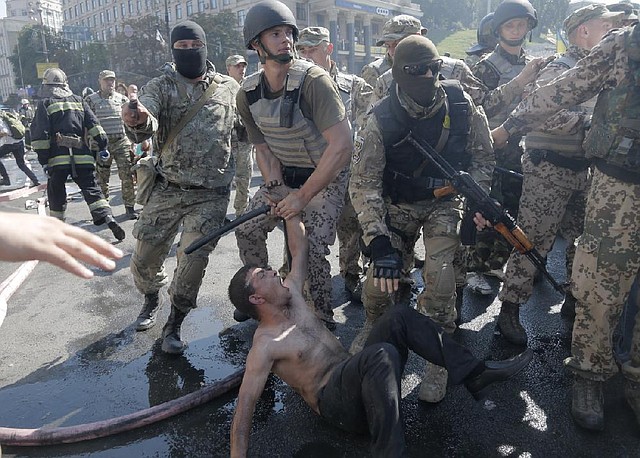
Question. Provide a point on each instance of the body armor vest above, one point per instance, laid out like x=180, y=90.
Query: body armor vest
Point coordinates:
x=293, y=139
x=506, y=71
x=614, y=137
x=566, y=145
x=409, y=176
x=108, y=110
x=449, y=67
x=380, y=65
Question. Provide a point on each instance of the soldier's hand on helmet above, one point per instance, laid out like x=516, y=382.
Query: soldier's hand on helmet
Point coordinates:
x=291, y=205
x=387, y=264
x=134, y=116
x=277, y=191
x=500, y=137
x=530, y=71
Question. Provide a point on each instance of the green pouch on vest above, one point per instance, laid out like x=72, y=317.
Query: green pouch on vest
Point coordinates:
x=146, y=173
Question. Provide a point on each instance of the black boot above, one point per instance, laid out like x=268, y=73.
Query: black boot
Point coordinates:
x=5, y=182
x=130, y=212
x=568, y=309
x=497, y=371
x=148, y=314
x=459, y=302
x=509, y=324
x=117, y=231
x=171, y=342
x=587, y=404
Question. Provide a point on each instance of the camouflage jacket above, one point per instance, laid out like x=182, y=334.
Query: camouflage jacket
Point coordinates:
x=369, y=161
x=200, y=155
x=605, y=67
x=360, y=96
x=371, y=72
x=492, y=101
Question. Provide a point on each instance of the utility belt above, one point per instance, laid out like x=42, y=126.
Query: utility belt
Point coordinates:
x=295, y=177
x=571, y=163
x=617, y=172
x=402, y=188
x=220, y=190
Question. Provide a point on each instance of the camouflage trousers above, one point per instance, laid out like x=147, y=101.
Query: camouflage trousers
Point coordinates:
x=120, y=151
x=320, y=218
x=349, y=235
x=606, y=263
x=198, y=212
x=243, y=155
x=439, y=221
x=552, y=202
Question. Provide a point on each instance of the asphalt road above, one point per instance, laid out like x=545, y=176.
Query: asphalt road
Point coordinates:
x=69, y=355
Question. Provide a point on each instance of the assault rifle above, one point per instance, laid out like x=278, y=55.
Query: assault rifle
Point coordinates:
x=478, y=200
x=226, y=228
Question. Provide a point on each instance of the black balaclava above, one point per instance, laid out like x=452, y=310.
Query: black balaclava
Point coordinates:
x=416, y=49
x=190, y=63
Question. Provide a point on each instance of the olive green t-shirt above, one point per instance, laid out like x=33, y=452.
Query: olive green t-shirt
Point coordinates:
x=319, y=102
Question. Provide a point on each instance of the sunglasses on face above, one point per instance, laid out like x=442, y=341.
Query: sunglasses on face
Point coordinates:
x=422, y=69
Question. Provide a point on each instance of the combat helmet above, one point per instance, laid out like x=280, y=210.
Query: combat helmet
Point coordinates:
x=511, y=9
x=54, y=77
x=263, y=16
x=486, y=39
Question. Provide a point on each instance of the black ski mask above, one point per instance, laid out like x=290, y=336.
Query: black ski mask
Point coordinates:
x=190, y=63
x=414, y=56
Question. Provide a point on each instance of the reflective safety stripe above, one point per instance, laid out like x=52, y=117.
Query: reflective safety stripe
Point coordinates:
x=40, y=144
x=100, y=203
x=56, y=214
x=96, y=130
x=56, y=107
x=80, y=159
x=557, y=143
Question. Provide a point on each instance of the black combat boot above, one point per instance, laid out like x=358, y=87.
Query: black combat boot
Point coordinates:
x=568, y=309
x=130, y=212
x=587, y=404
x=117, y=231
x=148, y=314
x=509, y=324
x=171, y=342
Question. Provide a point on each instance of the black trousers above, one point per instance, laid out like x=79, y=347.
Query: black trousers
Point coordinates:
x=86, y=181
x=363, y=392
x=17, y=149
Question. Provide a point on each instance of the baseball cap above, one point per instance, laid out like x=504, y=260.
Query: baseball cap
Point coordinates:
x=399, y=27
x=313, y=36
x=587, y=13
x=106, y=74
x=235, y=60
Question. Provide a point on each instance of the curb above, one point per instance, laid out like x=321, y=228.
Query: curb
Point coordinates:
x=21, y=192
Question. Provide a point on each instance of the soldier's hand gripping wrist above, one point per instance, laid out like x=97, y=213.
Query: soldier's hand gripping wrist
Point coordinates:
x=387, y=264
x=277, y=191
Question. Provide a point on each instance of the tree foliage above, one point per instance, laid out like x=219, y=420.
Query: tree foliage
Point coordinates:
x=222, y=37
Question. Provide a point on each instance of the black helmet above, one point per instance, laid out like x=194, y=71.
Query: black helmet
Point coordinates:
x=511, y=9
x=486, y=39
x=263, y=16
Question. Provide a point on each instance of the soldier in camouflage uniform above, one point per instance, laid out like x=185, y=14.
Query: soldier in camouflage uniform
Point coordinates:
x=487, y=41
x=512, y=21
x=555, y=173
x=240, y=147
x=392, y=189
x=297, y=123
x=608, y=252
x=195, y=170
x=314, y=44
x=107, y=105
x=394, y=30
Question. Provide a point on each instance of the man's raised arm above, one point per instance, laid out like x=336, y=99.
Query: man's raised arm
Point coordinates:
x=299, y=250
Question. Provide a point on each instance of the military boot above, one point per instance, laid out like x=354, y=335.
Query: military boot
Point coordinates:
x=148, y=314
x=568, y=309
x=5, y=181
x=130, y=213
x=587, y=404
x=353, y=287
x=358, y=343
x=632, y=393
x=117, y=231
x=434, y=383
x=509, y=324
x=171, y=342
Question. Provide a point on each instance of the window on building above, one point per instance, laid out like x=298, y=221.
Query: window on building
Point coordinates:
x=213, y=4
x=99, y=2
x=115, y=13
x=139, y=5
x=107, y=16
x=301, y=11
x=130, y=7
x=95, y=20
x=179, y=11
x=101, y=17
x=189, y=8
x=375, y=29
x=241, y=17
x=200, y=6
x=226, y=2
x=123, y=10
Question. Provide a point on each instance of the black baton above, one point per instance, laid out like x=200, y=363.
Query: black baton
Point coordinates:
x=226, y=228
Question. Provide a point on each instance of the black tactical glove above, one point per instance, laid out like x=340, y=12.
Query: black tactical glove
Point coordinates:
x=386, y=260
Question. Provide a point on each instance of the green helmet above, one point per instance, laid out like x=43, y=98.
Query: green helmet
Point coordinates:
x=54, y=77
x=486, y=39
x=263, y=16
x=512, y=9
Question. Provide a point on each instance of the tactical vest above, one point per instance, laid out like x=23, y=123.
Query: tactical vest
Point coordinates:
x=566, y=145
x=380, y=65
x=614, y=137
x=409, y=176
x=293, y=139
x=449, y=67
x=108, y=111
x=506, y=71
